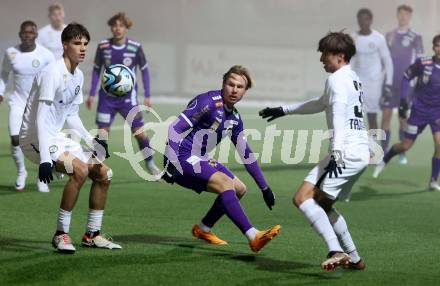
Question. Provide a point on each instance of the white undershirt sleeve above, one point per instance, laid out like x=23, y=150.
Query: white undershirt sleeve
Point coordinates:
x=43, y=138
x=74, y=122
x=338, y=115
x=315, y=105
x=4, y=76
x=387, y=62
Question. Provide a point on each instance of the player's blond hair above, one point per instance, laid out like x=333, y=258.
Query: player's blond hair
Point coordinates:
x=241, y=71
x=55, y=7
x=121, y=16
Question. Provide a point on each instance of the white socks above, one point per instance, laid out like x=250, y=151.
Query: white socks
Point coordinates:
x=341, y=229
x=63, y=223
x=18, y=156
x=204, y=227
x=320, y=222
x=251, y=233
x=94, y=220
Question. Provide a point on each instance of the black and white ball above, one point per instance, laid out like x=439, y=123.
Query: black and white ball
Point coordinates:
x=117, y=80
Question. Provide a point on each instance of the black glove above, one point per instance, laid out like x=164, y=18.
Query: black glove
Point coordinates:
x=170, y=173
x=97, y=144
x=45, y=172
x=269, y=197
x=335, y=165
x=271, y=113
x=403, y=108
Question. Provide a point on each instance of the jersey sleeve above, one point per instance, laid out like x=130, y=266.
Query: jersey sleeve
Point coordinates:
x=196, y=109
x=419, y=46
x=4, y=76
x=247, y=155
x=385, y=56
x=48, y=86
x=143, y=66
x=96, y=72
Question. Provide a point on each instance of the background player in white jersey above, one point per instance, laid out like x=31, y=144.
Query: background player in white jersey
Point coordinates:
x=334, y=176
x=24, y=61
x=53, y=101
x=372, y=57
x=50, y=35
x=405, y=46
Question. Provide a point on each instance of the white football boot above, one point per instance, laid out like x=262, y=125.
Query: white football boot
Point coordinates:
x=99, y=241
x=378, y=169
x=434, y=186
x=63, y=243
x=42, y=187
x=20, y=182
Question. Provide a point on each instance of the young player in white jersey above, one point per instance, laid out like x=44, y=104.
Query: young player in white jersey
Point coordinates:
x=23, y=61
x=334, y=176
x=54, y=101
x=372, y=58
x=50, y=35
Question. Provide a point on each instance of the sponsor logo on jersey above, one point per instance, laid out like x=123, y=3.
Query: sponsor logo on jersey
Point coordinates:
x=132, y=48
x=213, y=163
x=35, y=63
x=219, y=104
x=217, y=97
x=107, y=52
x=127, y=61
x=214, y=126
x=131, y=55
x=77, y=89
x=53, y=149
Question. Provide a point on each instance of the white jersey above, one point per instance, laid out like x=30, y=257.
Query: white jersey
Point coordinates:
x=372, y=57
x=51, y=39
x=342, y=102
x=24, y=67
x=58, y=86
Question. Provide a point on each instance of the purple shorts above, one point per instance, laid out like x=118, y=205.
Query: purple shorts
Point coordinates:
x=197, y=171
x=418, y=120
x=109, y=106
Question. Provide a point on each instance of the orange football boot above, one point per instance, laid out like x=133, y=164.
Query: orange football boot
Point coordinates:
x=209, y=237
x=263, y=237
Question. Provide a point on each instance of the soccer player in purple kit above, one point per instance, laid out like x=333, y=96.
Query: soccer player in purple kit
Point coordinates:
x=121, y=50
x=208, y=118
x=405, y=46
x=425, y=110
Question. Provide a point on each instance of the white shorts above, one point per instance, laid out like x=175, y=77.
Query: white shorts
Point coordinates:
x=372, y=94
x=340, y=187
x=58, y=146
x=16, y=110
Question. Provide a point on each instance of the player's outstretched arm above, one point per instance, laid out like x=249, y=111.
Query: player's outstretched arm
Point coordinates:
x=46, y=166
x=312, y=106
x=4, y=75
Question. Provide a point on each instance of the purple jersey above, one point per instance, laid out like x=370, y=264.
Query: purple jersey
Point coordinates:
x=427, y=92
x=209, y=121
x=130, y=54
x=404, y=48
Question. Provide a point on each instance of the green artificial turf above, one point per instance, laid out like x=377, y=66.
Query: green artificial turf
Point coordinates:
x=394, y=221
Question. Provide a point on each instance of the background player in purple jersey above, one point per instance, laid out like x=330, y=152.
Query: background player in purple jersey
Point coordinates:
x=121, y=50
x=404, y=45
x=425, y=110
x=208, y=118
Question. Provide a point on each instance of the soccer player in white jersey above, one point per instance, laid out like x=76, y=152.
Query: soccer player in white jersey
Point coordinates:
x=54, y=101
x=50, y=35
x=23, y=61
x=372, y=58
x=334, y=176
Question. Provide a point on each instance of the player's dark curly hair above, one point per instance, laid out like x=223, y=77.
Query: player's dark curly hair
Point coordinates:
x=336, y=43
x=436, y=39
x=74, y=31
x=365, y=11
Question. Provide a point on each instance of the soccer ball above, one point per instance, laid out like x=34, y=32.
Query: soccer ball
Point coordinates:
x=117, y=80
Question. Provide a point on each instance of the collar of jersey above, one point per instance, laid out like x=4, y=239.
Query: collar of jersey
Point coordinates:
x=66, y=70
x=121, y=46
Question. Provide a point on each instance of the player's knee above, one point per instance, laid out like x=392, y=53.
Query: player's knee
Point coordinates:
x=81, y=172
x=240, y=189
x=298, y=199
x=221, y=182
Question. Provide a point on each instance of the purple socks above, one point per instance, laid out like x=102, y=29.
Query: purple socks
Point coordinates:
x=144, y=146
x=229, y=202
